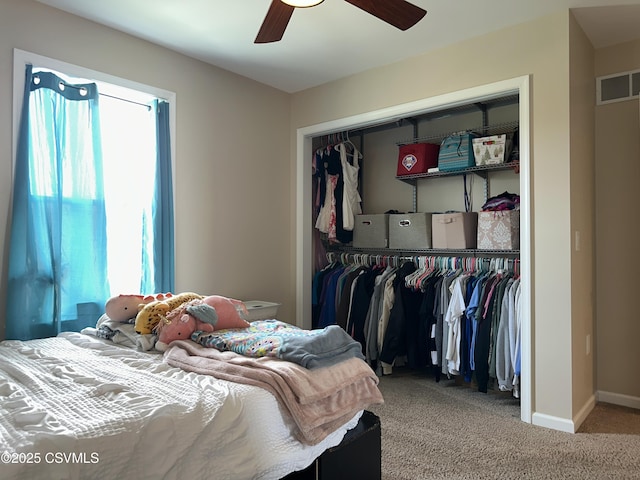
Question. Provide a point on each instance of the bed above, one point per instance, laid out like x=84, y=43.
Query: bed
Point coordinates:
x=78, y=406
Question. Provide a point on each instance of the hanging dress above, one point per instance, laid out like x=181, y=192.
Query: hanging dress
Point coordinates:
x=329, y=219
x=350, y=196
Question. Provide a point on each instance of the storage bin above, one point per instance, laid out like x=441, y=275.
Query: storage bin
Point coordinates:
x=499, y=230
x=492, y=150
x=456, y=230
x=456, y=152
x=371, y=231
x=410, y=230
x=417, y=158
x=259, y=310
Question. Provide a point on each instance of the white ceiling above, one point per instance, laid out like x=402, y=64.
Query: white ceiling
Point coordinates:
x=333, y=39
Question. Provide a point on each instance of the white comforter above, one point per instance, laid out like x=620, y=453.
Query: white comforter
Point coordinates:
x=77, y=407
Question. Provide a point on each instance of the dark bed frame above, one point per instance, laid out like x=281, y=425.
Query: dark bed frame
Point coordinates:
x=358, y=456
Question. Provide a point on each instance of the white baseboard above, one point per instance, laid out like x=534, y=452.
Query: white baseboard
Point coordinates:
x=584, y=412
x=618, y=399
x=555, y=423
x=572, y=426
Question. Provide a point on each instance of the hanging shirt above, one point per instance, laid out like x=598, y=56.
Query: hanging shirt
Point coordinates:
x=452, y=318
x=504, y=365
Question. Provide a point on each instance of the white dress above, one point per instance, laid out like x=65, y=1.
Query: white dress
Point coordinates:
x=350, y=197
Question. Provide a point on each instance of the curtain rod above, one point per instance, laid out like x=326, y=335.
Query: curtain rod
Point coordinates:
x=110, y=96
x=126, y=100
x=113, y=96
x=90, y=81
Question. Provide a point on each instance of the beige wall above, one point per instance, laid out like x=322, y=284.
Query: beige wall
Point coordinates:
x=232, y=175
x=617, y=233
x=582, y=164
x=540, y=49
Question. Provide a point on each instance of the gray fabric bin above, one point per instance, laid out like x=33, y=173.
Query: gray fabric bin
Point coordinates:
x=371, y=231
x=410, y=231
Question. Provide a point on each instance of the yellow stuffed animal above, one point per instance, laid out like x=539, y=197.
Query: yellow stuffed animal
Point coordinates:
x=151, y=314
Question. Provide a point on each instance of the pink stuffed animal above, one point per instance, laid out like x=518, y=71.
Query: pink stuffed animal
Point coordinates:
x=231, y=312
x=125, y=307
x=208, y=314
x=179, y=325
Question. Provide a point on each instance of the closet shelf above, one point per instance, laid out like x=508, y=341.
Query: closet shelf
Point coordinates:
x=423, y=252
x=486, y=130
x=481, y=106
x=482, y=170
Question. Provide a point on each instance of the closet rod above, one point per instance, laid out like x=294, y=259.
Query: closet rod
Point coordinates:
x=495, y=264
x=465, y=252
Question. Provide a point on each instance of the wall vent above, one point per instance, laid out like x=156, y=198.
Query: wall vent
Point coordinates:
x=617, y=87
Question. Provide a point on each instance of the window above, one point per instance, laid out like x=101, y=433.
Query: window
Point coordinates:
x=122, y=185
x=617, y=87
x=129, y=161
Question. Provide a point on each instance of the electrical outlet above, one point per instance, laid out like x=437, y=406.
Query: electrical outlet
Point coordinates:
x=588, y=344
x=577, y=240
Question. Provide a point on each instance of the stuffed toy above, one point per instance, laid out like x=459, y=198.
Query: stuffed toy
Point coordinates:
x=208, y=314
x=125, y=307
x=181, y=322
x=151, y=314
x=231, y=312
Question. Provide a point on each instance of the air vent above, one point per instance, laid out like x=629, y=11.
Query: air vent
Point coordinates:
x=618, y=87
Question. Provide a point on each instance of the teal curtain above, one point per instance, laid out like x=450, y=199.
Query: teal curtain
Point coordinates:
x=57, y=274
x=159, y=274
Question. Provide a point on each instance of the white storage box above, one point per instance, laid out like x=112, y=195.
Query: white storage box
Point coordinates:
x=259, y=310
x=371, y=231
x=456, y=230
x=492, y=150
x=410, y=230
x=499, y=230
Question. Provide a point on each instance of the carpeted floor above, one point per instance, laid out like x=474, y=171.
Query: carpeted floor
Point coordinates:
x=609, y=418
x=451, y=431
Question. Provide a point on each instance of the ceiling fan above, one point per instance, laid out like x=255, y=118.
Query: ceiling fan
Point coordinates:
x=399, y=13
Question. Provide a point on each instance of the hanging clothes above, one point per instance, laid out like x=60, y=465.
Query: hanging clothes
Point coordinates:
x=336, y=171
x=346, y=296
x=378, y=313
x=428, y=319
x=455, y=318
x=319, y=252
x=395, y=338
x=504, y=369
x=452, y=318
x=350, y=196
x=363, y=291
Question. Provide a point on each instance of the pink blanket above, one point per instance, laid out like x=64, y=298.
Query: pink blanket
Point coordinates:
x=319, y=400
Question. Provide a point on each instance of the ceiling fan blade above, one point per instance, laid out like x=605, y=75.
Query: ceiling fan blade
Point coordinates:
x=399, y=13
x=275, y=23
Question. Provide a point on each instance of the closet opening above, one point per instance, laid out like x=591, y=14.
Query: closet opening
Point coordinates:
x=403, y=120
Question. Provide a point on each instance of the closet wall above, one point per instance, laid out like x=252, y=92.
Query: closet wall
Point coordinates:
x=381, y=191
